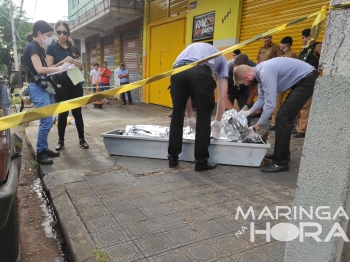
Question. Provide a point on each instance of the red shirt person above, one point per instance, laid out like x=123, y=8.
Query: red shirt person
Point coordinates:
x=105, y=75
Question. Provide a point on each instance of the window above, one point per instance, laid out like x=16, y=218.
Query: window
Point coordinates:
x=75, y=3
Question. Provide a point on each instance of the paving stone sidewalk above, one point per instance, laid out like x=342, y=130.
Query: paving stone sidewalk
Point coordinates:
x=137, y=209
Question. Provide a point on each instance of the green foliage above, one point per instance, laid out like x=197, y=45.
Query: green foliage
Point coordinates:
x=101, y=255
x=22, y=26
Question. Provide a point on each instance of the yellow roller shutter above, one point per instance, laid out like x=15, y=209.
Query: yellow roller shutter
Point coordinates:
x=177, y=7
x=157, y=10
x=259, y=16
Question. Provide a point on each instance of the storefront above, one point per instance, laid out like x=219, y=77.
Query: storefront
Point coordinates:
x=108, y=54
x=175, y=24
x=131, y=58
x=260, y=16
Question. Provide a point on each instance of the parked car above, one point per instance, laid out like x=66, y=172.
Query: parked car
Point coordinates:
x=10, y=166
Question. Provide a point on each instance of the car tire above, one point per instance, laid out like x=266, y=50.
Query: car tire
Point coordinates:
x=9, y=242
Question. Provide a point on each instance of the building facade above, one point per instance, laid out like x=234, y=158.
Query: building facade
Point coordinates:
x=148, y=35
x=111, y=31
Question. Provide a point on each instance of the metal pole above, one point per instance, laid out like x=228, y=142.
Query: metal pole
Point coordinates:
x=14, y=38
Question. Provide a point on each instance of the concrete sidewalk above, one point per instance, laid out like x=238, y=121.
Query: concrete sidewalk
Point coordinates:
x=137, y=209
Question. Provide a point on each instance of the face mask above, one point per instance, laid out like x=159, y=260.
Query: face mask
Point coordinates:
x=47, y=40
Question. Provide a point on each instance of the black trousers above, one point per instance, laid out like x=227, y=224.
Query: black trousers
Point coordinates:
x=198, y=84
x=301, y=92
x=129, y=95
x=66, y=92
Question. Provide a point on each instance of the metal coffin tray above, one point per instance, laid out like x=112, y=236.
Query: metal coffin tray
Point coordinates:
x=228, y=153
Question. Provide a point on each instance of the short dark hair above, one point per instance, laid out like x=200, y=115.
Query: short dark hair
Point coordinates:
x=237, y=51
x=241, y=59
x=287, y=40
x=306, y=32
x=105, y=62
x=96, y=64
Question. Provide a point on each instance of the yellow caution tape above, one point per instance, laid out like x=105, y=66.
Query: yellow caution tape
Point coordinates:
x=50, y=110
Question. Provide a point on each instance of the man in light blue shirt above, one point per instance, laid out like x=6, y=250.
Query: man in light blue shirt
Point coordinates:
x=275, y=76
x=199, y=84
x=123, y=74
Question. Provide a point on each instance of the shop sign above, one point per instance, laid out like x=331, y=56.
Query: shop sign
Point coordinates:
x=203, y=26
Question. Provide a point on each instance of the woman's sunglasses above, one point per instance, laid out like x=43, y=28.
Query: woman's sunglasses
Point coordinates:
x=61, y=32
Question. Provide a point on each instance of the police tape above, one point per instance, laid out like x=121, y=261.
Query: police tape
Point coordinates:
x=53, y=109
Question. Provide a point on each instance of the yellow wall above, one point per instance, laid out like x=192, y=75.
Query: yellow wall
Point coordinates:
x=226, y=33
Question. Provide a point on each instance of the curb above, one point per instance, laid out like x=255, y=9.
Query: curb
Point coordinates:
x=79, y=243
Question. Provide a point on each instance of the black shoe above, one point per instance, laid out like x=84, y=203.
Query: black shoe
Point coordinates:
x=43, y=159
x=131, y=103
x=60, y=145
x=275, y=168
x=173, y=163
x=202, y=167
x=270, y=156
x=299, y=135
x=271, y=128
x=50, y=153
x=83, y=144
x=124, y=104
x=170, y=115
x=294, y=131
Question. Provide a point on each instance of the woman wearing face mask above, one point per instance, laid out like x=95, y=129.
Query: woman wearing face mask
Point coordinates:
x=34, y=60
x=57, y=54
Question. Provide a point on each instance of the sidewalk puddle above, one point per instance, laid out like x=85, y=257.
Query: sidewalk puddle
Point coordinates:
x=50, y=223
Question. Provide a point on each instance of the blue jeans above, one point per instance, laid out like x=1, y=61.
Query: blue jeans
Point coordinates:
x=40, y=98
x=104, y=87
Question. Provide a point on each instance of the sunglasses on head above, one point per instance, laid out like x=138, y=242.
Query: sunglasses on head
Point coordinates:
x=59, y=32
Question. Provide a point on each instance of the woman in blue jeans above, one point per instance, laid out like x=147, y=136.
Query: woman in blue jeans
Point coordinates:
x=34, y=60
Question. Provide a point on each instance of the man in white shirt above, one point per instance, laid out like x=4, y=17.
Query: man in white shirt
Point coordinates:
x=95, y=77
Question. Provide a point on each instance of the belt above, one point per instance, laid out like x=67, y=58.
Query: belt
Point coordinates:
x=181, y=64
x=186, y=63
x=315, y=72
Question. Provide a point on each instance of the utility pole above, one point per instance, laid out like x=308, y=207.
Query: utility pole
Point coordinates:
x=14, y=38
x=324, y=174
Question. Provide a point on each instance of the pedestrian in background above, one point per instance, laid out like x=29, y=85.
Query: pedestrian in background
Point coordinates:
x=57, y=53
x=34, y=60
x=95, y=77
x=310, y=53
x=123, y=74
x=105, y=75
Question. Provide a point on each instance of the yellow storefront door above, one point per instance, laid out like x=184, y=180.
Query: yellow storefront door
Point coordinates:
x=167, y=42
